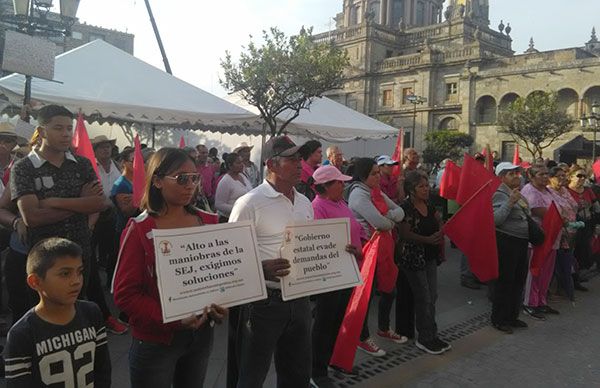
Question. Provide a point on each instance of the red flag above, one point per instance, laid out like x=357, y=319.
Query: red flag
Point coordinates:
x=181, y=142
x=398, y=154
x=472, y=177
x=473, y=231
x=516, y=156
x=82, y=144
x=489, y=159
x=450, y=181
x=596, y=168
x=552, y=224
x=139, y=173
x=349, y=334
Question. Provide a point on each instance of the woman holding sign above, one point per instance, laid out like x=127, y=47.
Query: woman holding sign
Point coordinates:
x=174, y=354
x=330, y=307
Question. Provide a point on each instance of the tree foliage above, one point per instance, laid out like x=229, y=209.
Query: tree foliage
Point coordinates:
x=445, y=144
x=284, y=74
x=536, y=121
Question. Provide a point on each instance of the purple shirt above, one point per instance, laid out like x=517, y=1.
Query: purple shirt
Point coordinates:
x=326, y=208
x=209, y=182
x=540, y=199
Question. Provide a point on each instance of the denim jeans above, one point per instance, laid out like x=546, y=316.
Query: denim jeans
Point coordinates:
x=274, y=327
x=424, y=288
x=182, y=364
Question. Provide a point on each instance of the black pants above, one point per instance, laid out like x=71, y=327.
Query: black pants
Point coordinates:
x=234, y=319
x=276, y=328
x=104, y=242
x=329, y=314
x=383, y=314
x=21, y=297
x=405, y=307
x=424, y=288
x=512, y=273
x=95, y=292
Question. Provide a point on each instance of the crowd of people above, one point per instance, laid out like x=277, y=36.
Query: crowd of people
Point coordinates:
x=62, y=222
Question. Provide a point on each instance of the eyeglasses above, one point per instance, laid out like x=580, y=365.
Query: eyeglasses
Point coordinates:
x=184, y=179
x=580, y=176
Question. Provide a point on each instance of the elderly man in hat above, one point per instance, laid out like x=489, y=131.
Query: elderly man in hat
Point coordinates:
x=8, y=141
x=250, y=169
x=273, y=327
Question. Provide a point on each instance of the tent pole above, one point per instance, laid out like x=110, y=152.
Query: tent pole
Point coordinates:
x=159, y=40
x=153, y=134
x=262, y=150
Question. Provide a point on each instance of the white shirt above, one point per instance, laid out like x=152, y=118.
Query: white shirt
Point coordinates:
x=271, y=212
x=251, y=172
x=228, y=191
x=109, y=178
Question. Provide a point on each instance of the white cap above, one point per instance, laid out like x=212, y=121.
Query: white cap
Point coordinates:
x=385, y=159
x=506, y=166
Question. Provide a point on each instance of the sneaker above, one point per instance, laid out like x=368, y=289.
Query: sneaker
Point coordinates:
x=445, y=345
x=114, y=326
x=579, y=287
x=534, y=313
x=344, y=372
x=370, y=347
x=431, y=347
x=548, y=310
x=391, y=335
x=517, y=323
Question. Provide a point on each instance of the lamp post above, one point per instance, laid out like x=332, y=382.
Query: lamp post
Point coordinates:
x=33, y=17
x=415, y=100
x=593, y=121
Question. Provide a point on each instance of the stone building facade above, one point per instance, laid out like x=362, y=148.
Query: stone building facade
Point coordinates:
x=82, y=33
x=466, y=70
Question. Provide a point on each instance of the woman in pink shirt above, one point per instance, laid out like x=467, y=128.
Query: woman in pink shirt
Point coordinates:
x=330, y=308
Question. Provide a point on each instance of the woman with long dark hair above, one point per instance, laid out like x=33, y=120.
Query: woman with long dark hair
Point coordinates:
x=162, y=354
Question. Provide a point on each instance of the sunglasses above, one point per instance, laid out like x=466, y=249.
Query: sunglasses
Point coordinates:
x=184, y=179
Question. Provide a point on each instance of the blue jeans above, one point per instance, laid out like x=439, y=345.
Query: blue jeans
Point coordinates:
x=182, y=364
x=274, y=327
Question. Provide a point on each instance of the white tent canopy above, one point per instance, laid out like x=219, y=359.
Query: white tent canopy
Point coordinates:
x=328, y=120
x=109, y=85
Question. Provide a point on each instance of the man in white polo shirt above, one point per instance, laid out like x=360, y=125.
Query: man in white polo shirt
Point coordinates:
x=272, y=326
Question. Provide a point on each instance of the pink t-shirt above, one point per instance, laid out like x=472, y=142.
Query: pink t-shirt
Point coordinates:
x=209, y=182
x=389, y=185
x=326, y=208
x=540, y=199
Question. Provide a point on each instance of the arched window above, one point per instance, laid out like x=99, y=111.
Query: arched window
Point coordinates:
x=486, y=110
x=508, y=99
x=449, y=123
x=568, y=101
x=397, y=12
x=591, y=96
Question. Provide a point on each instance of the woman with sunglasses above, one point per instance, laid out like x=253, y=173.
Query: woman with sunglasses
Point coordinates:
x=540, y=198
x=232, y=185
x=173, y=354
x=586, y=200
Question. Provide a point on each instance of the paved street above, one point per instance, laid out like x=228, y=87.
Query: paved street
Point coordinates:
x=560, y=352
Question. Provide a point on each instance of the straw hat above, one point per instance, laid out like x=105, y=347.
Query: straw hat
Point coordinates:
x=241, y=146
x=8, y=130
x=102, y=139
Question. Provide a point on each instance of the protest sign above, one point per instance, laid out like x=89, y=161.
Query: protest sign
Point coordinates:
x=319, y=262
x=199, y=266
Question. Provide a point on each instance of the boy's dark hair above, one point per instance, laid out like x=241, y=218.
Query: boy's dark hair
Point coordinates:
x=44, y=254
x=49, y=111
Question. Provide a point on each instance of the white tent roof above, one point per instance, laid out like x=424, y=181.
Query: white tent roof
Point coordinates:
x=109, y=85
x=328, y=120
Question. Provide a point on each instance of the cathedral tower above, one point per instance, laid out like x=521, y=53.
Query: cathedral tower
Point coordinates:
x=395, y=14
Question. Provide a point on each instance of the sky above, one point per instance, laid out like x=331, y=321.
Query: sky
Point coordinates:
x=196, y=33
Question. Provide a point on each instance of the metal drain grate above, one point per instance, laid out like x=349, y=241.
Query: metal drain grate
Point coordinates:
x=376, y=365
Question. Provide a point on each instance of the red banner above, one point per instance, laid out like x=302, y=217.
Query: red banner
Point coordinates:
x=551, y=224
x=398, y=154
x=473, y=175
x=356, y=312
x=82, y=144
x=450, y=181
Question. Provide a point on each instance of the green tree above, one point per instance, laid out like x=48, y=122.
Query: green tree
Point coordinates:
x=535, y=121
x=445, y=144
x=284, y=74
